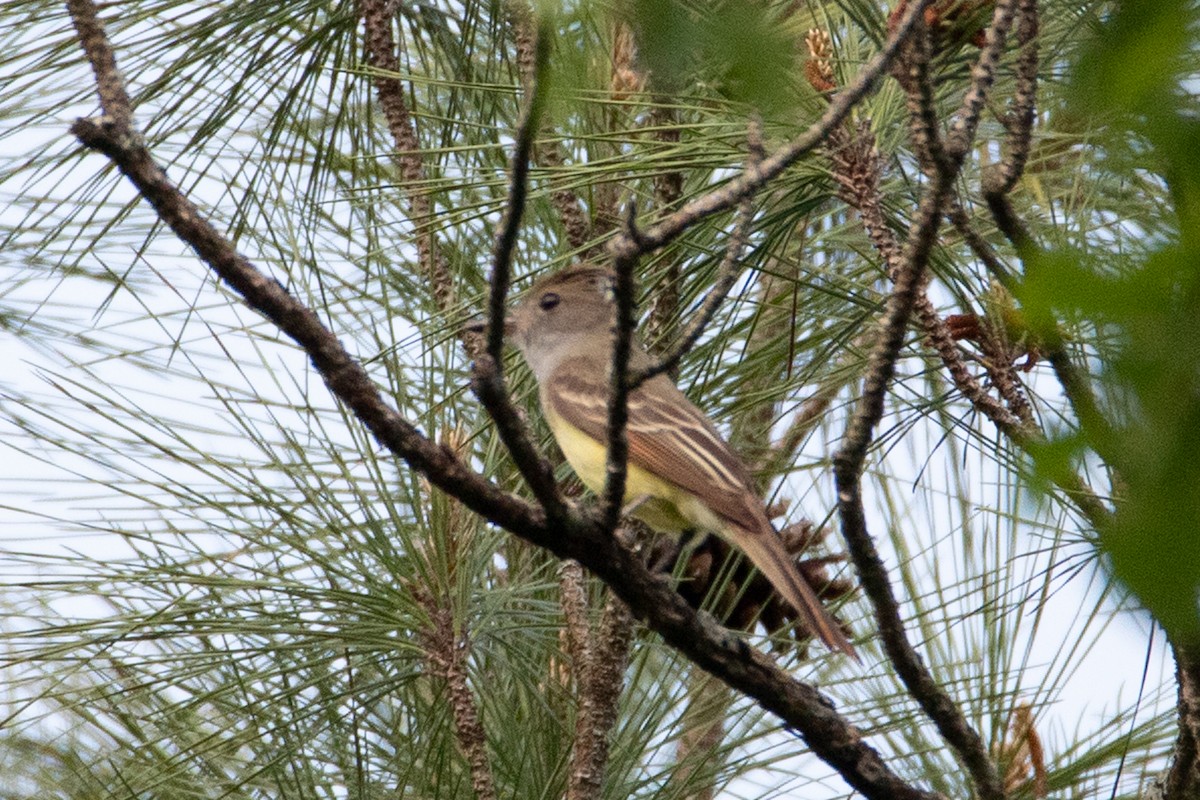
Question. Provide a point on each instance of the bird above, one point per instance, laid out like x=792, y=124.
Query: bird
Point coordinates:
x=681, y=475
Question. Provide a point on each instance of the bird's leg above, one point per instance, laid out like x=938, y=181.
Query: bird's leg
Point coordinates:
x=634, y=504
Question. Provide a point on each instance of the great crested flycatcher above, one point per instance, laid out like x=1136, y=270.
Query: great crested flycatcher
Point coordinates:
x=680, y=475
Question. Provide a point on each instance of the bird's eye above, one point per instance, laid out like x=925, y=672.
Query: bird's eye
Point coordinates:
x=549, y=300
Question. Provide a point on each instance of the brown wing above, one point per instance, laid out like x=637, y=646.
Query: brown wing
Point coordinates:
x=668, y=436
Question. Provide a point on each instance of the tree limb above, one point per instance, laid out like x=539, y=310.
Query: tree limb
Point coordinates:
x=751, y=180
x=650, y=597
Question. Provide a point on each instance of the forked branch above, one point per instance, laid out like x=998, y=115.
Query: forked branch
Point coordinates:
x=799, y=705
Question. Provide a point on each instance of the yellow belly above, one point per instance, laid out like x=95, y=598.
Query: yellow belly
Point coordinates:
x=662, y=504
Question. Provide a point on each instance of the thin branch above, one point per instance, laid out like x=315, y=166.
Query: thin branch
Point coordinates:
x=912, y=73
x=600, y=694
x=550, y=151
x=983, y=76
x=488, y=374
x=752, y=180
x=849, y=460
x=518, y=192
x=848, y=463
x=980, y=246
x=650, y=597
x=620, y=385
x=381, y=54
x=446, y=655
x=727, y=273
x=1022, y=111
x=110, y=85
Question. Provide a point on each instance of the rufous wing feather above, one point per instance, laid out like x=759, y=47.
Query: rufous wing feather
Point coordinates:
x=669, y=437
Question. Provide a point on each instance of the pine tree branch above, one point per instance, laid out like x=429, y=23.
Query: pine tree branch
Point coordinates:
x=1022, y=110
x=599, y=697
x=1183, y=778
x=572, y=597
x=446, y=655
x=944, y=164
x=488, y=373
x=649, y=597
x=750, y=181
x=381, y=55
x=551, y=152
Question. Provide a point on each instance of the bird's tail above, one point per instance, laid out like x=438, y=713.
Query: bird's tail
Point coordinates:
x=766, y=551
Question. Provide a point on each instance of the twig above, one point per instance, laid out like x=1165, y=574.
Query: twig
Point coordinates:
x=698, y=638
x=849, y=460
x=848, y=463
x=620, y=384
x=445, y=653
x=381, y=54
x=488, y=374
x=727, y=273
x=754, y=179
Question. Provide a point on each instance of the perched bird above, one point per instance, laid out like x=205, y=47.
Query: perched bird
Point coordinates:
x=680, y=475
